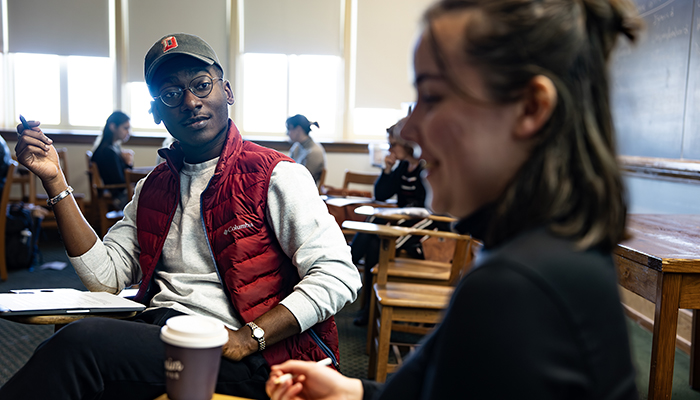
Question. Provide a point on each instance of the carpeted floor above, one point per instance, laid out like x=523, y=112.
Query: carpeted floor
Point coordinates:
x=17, y=341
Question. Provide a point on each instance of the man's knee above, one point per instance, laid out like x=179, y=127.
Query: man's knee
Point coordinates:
x=82, y=334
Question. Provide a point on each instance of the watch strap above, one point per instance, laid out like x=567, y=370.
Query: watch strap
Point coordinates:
x=261, y=340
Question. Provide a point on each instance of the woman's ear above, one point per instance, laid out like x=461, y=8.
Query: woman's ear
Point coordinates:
x=537, y=107
x=154, y=112
x=112, y=127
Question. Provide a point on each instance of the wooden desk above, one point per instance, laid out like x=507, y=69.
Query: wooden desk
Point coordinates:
x=62, y=320
x=394, y=214
x=216, y=397
x=661, y=263
x=342, y=208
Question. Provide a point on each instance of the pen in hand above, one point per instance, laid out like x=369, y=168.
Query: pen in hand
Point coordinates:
x=24, y=122
x=288, y=376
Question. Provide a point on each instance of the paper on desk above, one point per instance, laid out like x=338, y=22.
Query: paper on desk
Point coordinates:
x=413, y=212
x=346, y=201
x=63, y=301
x=56, y=265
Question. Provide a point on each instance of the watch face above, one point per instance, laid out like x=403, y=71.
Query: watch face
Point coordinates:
x=258, y=333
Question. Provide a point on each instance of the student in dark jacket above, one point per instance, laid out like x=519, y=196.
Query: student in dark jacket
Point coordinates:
x=516, y=131
x=111, y=159
x=401, y=176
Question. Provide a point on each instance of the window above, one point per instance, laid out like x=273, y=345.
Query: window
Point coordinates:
x=37, y=87
x=264, y=97
x=314, y=89
x=89, y=90
x=277, y=86
x=140, y=107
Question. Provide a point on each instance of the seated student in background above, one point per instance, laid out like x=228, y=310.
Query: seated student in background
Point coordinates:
x=405, y=182
x=304, y=150
x=224, y=228
x=5, y=160
x=515, y=128
x=111, y=159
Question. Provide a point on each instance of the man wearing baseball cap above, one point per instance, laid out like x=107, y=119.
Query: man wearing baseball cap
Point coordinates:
x=224, y=228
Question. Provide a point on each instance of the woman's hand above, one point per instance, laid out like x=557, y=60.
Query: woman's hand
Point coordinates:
x=311, y=382
x=389, y=162
x=36, y=152
x=128, y=156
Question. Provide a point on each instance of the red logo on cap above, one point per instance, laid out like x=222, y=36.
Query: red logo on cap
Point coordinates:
x=169, y=43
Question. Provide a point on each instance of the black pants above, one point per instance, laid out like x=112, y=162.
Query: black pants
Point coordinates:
x=102, y=358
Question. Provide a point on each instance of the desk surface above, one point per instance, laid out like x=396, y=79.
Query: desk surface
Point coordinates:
x=663, y=242
x=394, y=213
x=216, y=397
x=64, y=319
x=398, y=231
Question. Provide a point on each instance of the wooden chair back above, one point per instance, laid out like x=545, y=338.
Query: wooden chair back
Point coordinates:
x=4, y=202
x=398, y=305
x=358, y=178
x=39, y=199
x=130, y=180
x=321, y=181
x=361, y=178
x=101, y=199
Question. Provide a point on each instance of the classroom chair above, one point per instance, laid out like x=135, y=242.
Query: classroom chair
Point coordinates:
x=101, y=199
x=404, y=306
x=4, y=202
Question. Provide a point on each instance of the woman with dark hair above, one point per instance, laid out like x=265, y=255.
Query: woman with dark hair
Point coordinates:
x=304, y=150
x=111, y=159
x=514, y=124
x=404, y=181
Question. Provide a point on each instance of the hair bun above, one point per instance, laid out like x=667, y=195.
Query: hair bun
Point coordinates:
x=619, y=16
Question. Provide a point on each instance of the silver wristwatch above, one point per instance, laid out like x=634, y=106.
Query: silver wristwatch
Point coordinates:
x=258, y=334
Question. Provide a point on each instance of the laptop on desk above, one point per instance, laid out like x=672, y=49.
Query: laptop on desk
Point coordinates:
x=63, y=302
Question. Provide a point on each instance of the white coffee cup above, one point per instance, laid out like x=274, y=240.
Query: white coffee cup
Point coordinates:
x=192, y=356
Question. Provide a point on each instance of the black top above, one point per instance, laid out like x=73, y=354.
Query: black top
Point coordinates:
x=535, y=318
x=5, y=159
x=111, y=165
x=407, y=186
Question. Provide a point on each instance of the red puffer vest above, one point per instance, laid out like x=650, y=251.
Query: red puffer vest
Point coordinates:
x=255, y=272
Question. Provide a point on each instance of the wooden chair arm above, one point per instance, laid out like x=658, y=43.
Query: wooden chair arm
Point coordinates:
x=112, y=186
x=396, y=231
x=381, y=230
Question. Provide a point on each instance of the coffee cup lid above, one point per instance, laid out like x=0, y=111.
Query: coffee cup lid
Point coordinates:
x=194, y=332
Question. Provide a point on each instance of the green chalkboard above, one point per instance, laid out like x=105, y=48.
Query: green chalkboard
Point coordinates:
x=654, y=83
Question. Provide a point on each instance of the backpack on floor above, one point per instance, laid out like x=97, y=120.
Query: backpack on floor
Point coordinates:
x=19, y=237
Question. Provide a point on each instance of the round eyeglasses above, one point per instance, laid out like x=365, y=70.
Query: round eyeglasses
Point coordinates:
x=200, y=86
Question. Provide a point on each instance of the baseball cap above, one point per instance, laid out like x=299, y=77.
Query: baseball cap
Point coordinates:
x=174, y=44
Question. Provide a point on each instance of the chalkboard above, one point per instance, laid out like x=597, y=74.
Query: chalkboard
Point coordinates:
x=655, y=83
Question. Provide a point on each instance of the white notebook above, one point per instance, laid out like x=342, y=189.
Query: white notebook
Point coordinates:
x=63, y=301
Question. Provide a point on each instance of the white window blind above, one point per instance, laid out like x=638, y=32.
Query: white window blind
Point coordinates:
x=386, y=33
x=68, y=27
x=2, y=28
x=149, y=20
x=292, y=27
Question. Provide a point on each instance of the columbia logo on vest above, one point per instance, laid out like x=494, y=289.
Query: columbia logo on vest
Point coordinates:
x=237, y=227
